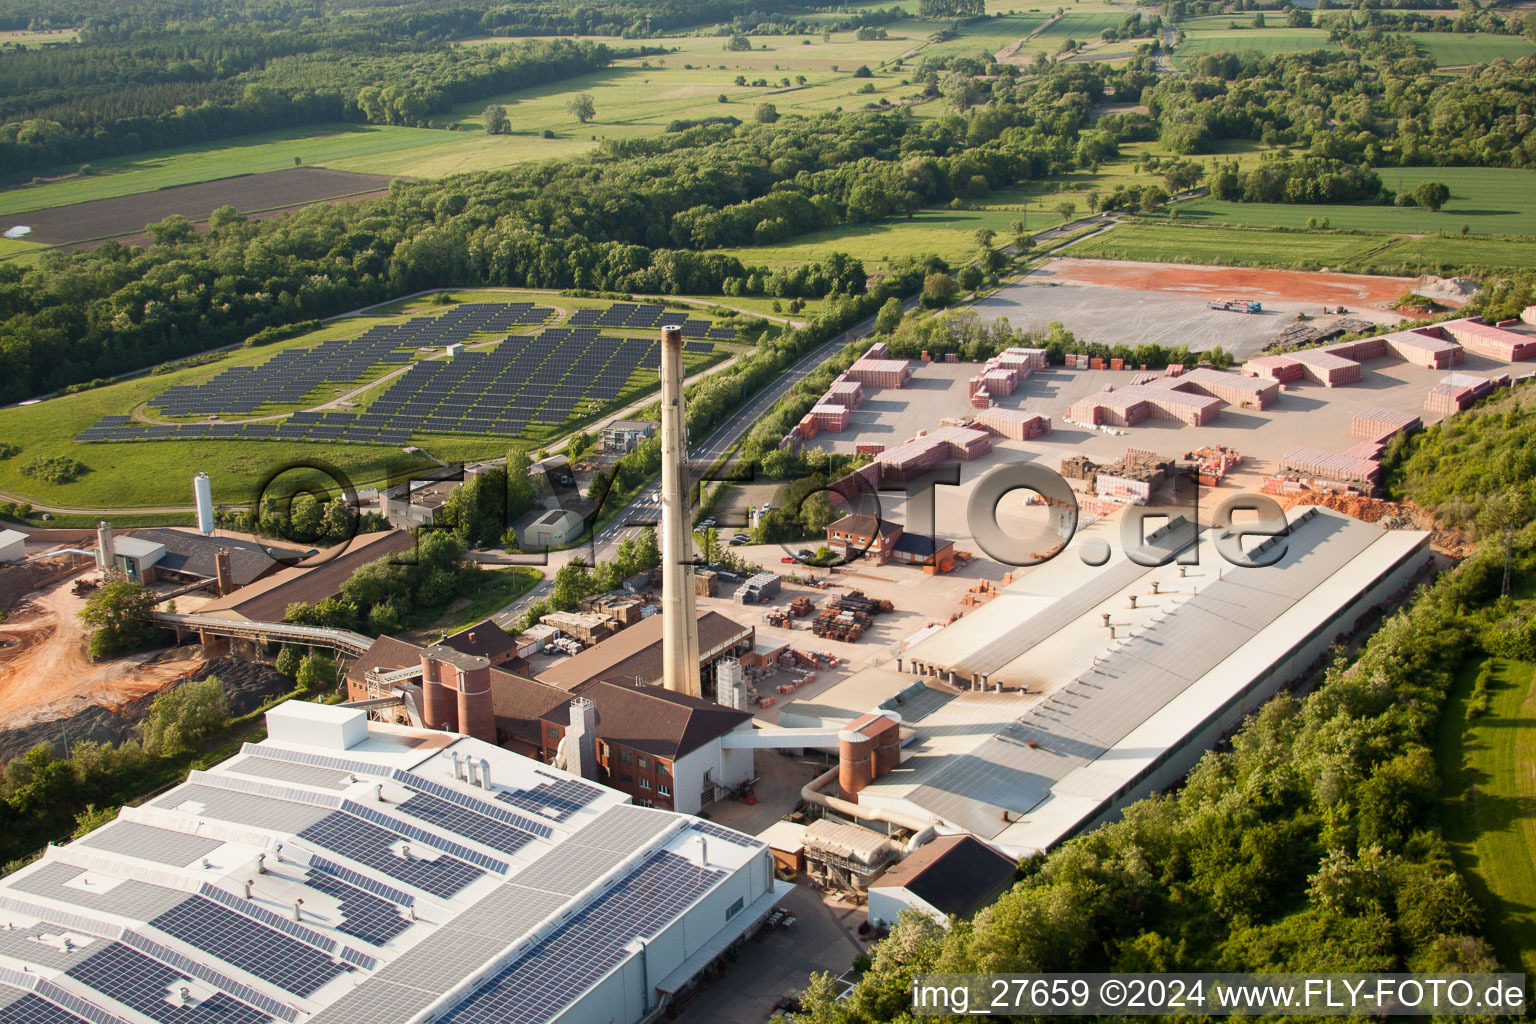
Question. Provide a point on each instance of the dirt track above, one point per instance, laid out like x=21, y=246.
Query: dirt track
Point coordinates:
x=1245, y=282
x=45, y=673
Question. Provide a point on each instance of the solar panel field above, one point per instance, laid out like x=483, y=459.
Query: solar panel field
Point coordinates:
x=523, y=369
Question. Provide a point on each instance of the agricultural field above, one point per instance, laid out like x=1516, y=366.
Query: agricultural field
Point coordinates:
x=1489, y=200
x=948, y=234
x=1487, y=795
x=28, y=39
x=358, y=146
x=127, y=215
x=131, y=475
x=642, y=97
x=1268, y=41
x=1442, y=254
x=1456, y=49
x=1161, y=243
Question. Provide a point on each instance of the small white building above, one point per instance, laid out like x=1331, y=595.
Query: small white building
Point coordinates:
x=13, y=546
x=554, y=529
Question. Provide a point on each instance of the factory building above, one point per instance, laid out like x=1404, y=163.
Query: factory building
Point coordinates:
x=342, y=871
x=633, y=655
x=665, y=749
x=310, y=582
x=1082, y=688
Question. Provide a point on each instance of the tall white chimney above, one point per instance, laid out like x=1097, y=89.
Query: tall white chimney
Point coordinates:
x=680, y=620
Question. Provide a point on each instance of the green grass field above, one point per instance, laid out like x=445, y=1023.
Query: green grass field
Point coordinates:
x=1489, y=200
x=945, y=233
x=1267, y=41
x=1436, y=254
x=1225, y=246
x=638, y=98
x=1450, y=49
x=1488, y=804
x=1308, y=250
x=374, y=149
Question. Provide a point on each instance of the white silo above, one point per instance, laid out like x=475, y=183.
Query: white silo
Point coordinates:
x=202, y=488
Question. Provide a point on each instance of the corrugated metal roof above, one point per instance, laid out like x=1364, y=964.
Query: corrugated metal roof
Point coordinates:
x=1014, y=768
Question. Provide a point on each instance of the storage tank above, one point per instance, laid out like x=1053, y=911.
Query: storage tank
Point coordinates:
x=202, y=490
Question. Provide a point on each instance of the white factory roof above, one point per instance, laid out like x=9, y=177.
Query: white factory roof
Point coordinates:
x=420, y=894
x=1025, y=770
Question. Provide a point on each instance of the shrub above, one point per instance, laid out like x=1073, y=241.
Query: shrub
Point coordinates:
x=54, y=469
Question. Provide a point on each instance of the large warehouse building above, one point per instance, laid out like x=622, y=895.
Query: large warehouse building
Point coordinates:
x=1081, y=688
x=347, y=872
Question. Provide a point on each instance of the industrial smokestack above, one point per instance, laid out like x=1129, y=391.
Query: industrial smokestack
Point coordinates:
x=680, y=621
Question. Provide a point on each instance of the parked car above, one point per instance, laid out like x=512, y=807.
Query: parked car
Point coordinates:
x=706, y=524
x=805, y=554
x=789, y=561
x=738, y=540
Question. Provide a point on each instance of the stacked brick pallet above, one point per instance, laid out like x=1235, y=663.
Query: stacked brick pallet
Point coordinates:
x=829, y=417
x=1375, y=424
x=1134, y=403
x=981, y=398
x=845, y=392
x=925, y=451
x=875, y=372
x=1032, y=358
x=1428, y=347
x=1232, y=388
x=1013, y=424
x=1001, y=382
x=1331, y=466
x=1327, y=368
x=1456, y=391
x=1491, y=340
x=1280, y=369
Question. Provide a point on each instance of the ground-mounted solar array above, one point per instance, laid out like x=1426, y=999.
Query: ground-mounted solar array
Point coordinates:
x=495, y=391
x=288, y=376
x=648, y=317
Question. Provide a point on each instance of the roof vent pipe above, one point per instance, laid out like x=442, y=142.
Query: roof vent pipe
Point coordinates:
x=458, y=766
x=405, y=853
x=1106, y=620
x=298, y=910
x=1181, y=572
x=248, y=884
x=261, y=864
x=469, y=770
x=485, y=773
x=1154, y=586
x=185, y=994
x=1133, y=600
x=378, y=791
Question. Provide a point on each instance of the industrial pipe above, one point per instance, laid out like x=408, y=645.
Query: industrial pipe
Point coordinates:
x=923, y=830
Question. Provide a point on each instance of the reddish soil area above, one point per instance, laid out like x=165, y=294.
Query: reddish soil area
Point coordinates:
x=45, y=673
x=123, y=215
x=1235, y=282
